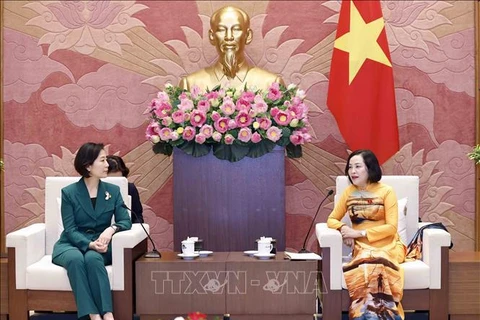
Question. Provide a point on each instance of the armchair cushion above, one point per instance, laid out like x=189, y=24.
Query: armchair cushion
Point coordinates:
x=29, y=244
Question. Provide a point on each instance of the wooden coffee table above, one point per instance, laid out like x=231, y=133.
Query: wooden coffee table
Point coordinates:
x=226, y=282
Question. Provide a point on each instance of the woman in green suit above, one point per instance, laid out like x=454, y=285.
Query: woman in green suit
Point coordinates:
x=84, y=247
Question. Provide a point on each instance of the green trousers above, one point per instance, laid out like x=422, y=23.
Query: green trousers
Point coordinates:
x=88, y=279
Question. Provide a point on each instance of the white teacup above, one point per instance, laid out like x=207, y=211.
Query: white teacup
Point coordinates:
x=264, y=246
x=188, y=247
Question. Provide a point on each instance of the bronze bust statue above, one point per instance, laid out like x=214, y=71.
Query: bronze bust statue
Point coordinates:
x=230, y=33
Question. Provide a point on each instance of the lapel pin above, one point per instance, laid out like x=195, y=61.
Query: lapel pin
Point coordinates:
x=107, y=195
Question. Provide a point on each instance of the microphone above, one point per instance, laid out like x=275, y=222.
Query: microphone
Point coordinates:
x=303, y=250
x=154, y=253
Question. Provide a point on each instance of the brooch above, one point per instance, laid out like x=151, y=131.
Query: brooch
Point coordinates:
x=107, y=195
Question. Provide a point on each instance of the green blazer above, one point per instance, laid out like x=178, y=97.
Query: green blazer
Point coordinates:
x=81, y=222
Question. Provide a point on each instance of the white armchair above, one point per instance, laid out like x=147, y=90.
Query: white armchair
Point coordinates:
x=426, y=280
x=35, y=283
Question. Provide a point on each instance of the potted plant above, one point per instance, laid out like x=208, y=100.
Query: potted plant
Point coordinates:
x=475, y=154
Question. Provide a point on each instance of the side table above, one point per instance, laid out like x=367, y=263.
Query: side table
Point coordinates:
x=464, y=286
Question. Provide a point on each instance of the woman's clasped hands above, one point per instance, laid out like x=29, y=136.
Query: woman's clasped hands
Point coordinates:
x=348, y=235
x=101, y=244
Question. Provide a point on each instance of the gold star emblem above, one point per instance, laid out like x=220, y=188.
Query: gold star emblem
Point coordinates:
x=361, y=42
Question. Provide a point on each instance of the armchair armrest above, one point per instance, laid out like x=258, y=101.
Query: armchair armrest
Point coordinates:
x=332, y=239
x=124, y=240
x=433, y=241
x=29, y=244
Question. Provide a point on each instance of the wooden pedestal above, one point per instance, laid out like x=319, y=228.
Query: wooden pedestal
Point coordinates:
x=229, y=205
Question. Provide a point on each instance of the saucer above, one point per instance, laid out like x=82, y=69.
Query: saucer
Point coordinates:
x=204, y=253
x=188, y=256
x=250, y=252
x=264, y=256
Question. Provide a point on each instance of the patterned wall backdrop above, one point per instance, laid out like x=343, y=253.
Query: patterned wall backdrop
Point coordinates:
x=86, y=71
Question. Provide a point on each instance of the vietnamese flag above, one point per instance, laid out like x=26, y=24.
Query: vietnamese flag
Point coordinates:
x=361, y=93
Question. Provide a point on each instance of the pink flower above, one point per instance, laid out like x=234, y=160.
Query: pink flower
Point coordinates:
x=256, y=137
x=221, y=125
x=274, y=111
x=248, y=96
x=215, y=116
x=296, y=111
x=152, y=129
x=300, y=94
x=296, y=101
x=229, y=139
x=307, y=137
x=195, y=90
x=154, y=139
x=162, y=109
x=165, y=134
x=274, y=92
x=203, y=105
x=200, y=138
x=260, y=107
x=297, y=138
x=274, y=134
x=163, y=96
x=245, y=134
x=197, y=118
x=228, y=107
x=188, y=133
x=183, y=96
x=243, y=105
x=167, y=121
x=217, y=136
x=178, y=116
x=185, y=105
x=243, y=119
x=232, y=124
x=174, y=136
x=212, y=95
x=265, y=123
x=282, y=118
x=206, y=130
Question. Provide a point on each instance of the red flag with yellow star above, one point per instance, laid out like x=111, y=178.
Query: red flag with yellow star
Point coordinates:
x=361, y=93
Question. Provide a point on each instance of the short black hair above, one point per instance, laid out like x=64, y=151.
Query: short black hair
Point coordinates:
x=86, y=156
x=371, y=162
x=115, y=164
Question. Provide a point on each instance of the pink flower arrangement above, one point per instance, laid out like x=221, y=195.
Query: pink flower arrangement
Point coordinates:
x=235, y=123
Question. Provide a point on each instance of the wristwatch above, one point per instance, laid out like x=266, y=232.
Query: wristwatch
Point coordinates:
x=363, y=233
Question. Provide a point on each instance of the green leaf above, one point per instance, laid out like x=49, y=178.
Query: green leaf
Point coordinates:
x=194, y=149
x=232, y=152
x=294, y=151
x=216, y=88
x=259, y=149
x=283, y=141
x=178, y=142
x=163, y=148
x=286, y=132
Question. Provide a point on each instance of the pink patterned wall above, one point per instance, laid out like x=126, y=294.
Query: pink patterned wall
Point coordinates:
x=85, y=71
